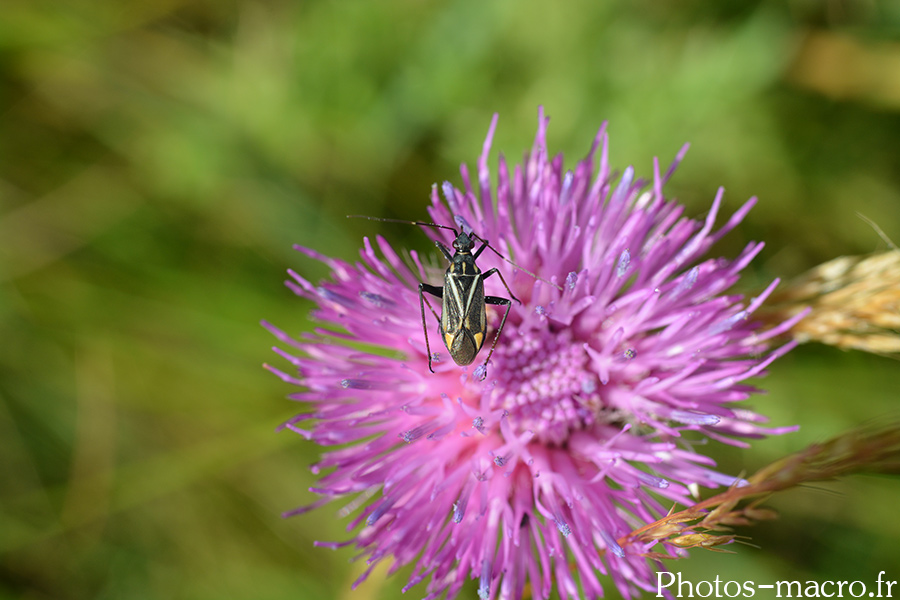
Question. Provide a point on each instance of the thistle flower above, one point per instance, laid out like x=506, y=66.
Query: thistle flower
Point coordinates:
x=582, y=429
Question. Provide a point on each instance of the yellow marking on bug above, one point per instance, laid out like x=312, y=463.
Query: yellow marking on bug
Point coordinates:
x=479, y=338
x=448, y=340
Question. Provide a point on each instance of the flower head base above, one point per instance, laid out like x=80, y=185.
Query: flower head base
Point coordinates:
x=574, y=437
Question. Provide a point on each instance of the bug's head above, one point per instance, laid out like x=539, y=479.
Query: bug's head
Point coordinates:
x=463, y=243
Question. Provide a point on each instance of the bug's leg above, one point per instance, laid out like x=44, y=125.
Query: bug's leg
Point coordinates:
x=481, y=372
x=446, y=252
x=484, y=245
x=490, y=272
x=434, y=291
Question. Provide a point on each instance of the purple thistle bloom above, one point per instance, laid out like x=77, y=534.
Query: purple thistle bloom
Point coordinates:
x=525, y=480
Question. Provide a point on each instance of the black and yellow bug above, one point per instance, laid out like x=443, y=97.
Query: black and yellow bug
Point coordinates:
x=463, y=320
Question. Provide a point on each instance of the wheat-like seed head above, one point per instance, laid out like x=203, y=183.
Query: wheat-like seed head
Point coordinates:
x=855, y=303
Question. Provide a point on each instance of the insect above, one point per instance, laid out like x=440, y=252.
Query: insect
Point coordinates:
x=463, y=320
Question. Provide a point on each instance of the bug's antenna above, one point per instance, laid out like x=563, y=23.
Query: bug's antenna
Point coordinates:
x=539, y=278
x=465, y=227
x=404, y=221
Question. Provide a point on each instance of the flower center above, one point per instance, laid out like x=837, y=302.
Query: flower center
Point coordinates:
x=543, y=382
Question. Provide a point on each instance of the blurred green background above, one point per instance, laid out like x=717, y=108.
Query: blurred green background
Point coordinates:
x=158, y=159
